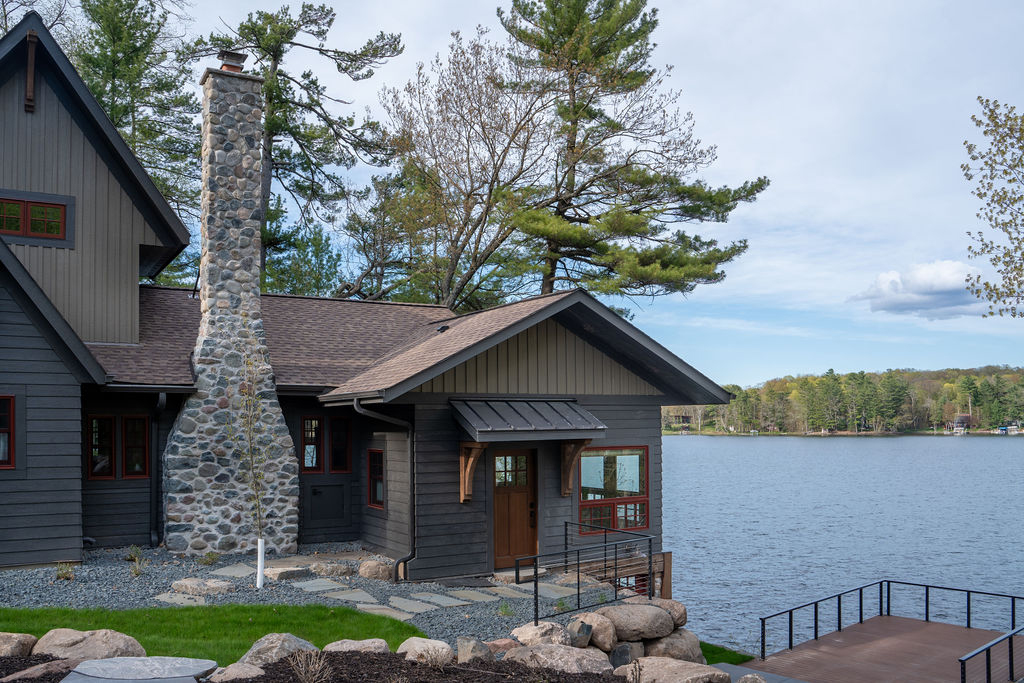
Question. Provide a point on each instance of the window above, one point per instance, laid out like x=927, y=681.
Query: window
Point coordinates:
x=312, y=444
x=637, y=583
x=341, y=445
x=613, y=488
x=135, y=447
x=32, y=219
x=99, y=441
x=375, y=477
x=511, y=470
x=6, y=432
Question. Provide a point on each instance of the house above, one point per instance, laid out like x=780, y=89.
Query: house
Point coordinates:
x=452, y=443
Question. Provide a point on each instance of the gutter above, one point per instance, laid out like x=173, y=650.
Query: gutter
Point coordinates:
x=408, y=427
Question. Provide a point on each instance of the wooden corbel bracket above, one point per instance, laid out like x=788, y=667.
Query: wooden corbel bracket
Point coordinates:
x=469, y=456
x=30, y=73
x=571, y=451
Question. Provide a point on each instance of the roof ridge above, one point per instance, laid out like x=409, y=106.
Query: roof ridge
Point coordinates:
x=461, y=316
x=305, y=296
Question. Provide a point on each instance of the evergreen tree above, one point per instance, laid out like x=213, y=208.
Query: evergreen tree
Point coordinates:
x=621, y=173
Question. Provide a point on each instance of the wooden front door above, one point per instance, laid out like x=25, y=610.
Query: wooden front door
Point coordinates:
x=515, y=506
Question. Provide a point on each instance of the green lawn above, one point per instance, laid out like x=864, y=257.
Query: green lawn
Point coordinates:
x=222, y=633
x=716, y=654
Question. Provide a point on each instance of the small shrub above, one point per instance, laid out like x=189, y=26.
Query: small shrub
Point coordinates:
x=435, y=659
x=602, y=598
x=209, y=559
x=504, y=609
x=134, y=554
x=138, y=566
x=561, y=605
x=311, y=666
x=65, y=571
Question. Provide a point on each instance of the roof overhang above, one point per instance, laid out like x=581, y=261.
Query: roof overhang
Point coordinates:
x=489, y=420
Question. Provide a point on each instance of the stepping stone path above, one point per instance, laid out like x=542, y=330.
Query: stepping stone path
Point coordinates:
x=180, y=599
x=284, y=573
x=474, y=596
x=194, y=586
x=553, y=592
x=319, y=585
x=507, y=592
x=438, y=599
x=357, y=595
x=385, y=612
x=235, y=571
x=407, y=605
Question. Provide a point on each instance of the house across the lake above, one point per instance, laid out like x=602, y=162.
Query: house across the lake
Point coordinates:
x=452, y=443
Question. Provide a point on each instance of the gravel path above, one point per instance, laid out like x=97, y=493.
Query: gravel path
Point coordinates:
x=105, y=579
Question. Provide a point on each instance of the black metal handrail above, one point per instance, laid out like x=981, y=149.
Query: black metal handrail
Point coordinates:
x=609, y=552
x=987, y=649
x=884, y=607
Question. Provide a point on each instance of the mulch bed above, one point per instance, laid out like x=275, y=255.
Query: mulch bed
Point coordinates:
x=10, y=665
x=364, y=667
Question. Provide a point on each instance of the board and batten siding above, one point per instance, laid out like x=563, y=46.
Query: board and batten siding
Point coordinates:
x=546, y=359
x=94, y=285
x=388, y=528
x=40, y=500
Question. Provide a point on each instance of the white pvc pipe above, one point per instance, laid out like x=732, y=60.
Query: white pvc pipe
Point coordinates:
x=260, y=556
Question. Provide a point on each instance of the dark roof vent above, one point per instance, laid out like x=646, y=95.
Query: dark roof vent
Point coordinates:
x=231, y=61
x=442, y=328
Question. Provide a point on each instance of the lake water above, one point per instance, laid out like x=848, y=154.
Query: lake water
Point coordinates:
x=762, y=524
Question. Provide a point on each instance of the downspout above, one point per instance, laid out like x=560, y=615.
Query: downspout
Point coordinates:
x=407, y=426
x=155, y=500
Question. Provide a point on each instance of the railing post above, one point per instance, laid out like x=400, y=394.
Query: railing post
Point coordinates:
x=536, y=592
x=615, y=574
x=790, y=629
x=1013, y=613
x=968, y=609
x=579, y=592
x=815, y=619
x=839, y=611
x=1010, y=644
x=762, y=639
x=650, y=568
x=963, y=671
x=927, y=603
x=565, y=550
x=988, y=665
x=888, y=598
x=880, y=598
x=861, y=591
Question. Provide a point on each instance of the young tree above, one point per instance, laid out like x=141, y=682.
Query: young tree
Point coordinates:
x=999, y=172
x=621, y=173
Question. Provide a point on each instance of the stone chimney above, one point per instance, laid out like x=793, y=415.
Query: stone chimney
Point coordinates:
x=208, y=495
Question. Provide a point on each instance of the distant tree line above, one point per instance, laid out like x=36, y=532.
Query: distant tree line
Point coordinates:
x=892, y=401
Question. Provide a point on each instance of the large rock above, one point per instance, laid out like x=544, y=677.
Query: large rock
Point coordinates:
x=626, y=652
x=374, y=569
x=544, y=632
x=146, y=668
x=470, y=649
x=665, y=670
x=427, y=651
x=680, y=644
x=565, y=658
x=67, y=643
x=502, y=645
x=285, y=573
x=676, y=609
x=236, y=672
x=332, y=569
x=579, y=633
x=274, y=647
x=752, y=678
x=47, y=669
x=367, y=645
x=637, y=622
x=16, y=644
x=196, y=586
x=602, y=634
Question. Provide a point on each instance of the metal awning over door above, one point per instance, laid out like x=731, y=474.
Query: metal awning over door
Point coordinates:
x=489, y=420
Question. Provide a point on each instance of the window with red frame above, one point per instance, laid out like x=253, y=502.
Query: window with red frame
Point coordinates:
x=613, y=488
x=32, y=219
x=636, y=583
x=375, y=477
x=6, y=432
x=99, y=441
x=341, y=445
x=135, y=447
x=312, y=444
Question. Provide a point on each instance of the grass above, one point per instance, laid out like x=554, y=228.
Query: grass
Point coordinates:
x=716, y=654
x=223, y=633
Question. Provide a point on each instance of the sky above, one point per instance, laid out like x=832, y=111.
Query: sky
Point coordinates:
x=857, y=113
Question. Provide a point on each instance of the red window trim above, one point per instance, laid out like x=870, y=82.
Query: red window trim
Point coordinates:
x=319, y=469
x=23, y=230
x=583, y=504
x=369, y=480
x=9, y=430
x=88, y=448
x=348, y=446
x=124, y=446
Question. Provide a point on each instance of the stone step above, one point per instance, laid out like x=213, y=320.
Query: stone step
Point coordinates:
x=474, y=596
x=236, y=571
x=509, y=592
x=357, y=595
x=180, y=599
x=196, y=586
x=439, y=599
x=385, y=611
x=509, y=575
x=285, y=573
x=554, y=592
x=319, y=585
x=408, y=605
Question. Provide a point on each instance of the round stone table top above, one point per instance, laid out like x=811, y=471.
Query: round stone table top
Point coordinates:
x=146, y=668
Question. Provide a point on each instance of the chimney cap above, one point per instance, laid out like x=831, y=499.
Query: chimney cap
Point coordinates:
x=232, y=61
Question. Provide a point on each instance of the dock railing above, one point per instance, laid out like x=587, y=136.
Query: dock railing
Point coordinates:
x=987, y=650
x=884, y=591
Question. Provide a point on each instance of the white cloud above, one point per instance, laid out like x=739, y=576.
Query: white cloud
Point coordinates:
x=933, y=290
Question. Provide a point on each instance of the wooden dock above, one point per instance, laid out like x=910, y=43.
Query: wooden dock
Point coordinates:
x=893, y=649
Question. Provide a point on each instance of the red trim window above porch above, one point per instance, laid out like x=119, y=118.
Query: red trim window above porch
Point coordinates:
x=6, y=432
x=613, y=488
x=99, y=440
x=312, y=452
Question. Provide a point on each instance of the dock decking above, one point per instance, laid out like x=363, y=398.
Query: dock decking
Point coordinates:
x=893, y=649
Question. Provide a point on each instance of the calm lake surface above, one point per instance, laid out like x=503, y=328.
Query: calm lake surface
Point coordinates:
x=761, y=524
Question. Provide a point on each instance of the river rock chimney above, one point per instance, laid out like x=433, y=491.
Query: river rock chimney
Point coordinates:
x=208, y=494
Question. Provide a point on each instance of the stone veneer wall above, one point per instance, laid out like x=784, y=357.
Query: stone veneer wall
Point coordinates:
x=207, y=498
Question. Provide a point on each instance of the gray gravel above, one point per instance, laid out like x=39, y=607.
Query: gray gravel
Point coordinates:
x=104, y=579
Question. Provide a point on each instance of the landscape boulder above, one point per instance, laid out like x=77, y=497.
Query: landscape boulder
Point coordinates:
x=602, y=634
x=544, y=632
x=274, y=647
x=676, y=609
x=16, y=644
x=374, y=569
x=666, y=670
x=502, y=645
x=332, y=569
x=626, y=652
x=638, y=622
x=67, y=643
x=752, y=678
x=426, y=651
x=236, y=672
x=680, y=644
x=367, y=645
x=470, y=649
x=563, y=658
x=196, y=586
x=579, y=633
x=58, y=667
x=285, y=573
